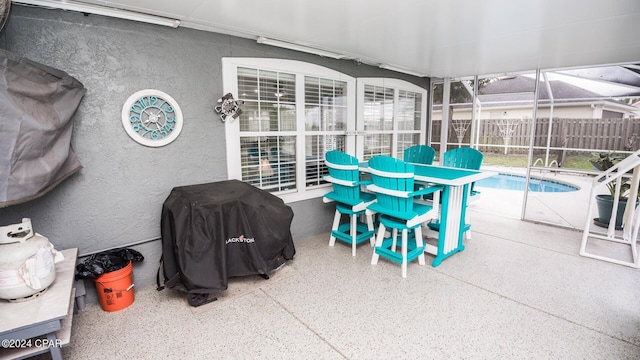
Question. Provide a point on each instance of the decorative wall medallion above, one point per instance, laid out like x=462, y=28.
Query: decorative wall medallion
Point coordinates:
x=228, y=107
x=152, y=118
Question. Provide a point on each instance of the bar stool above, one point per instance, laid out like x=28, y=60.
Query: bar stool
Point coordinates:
x=393, y=185
x=344, y=176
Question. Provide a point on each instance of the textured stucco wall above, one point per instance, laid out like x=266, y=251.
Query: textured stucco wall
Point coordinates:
x=116, y=199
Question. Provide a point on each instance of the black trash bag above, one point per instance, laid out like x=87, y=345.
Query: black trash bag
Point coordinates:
x=105, y=262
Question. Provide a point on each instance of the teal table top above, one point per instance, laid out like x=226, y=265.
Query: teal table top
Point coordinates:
x=444, y=175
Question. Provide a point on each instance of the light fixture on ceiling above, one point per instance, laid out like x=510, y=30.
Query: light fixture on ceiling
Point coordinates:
x=298, y=47
x=102, y=10
x=400, y=69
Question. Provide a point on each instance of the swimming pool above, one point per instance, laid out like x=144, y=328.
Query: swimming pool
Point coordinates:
x=516, y=182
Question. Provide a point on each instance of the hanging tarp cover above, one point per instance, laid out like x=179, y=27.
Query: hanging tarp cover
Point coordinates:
x=37, y=103
x=214, y=231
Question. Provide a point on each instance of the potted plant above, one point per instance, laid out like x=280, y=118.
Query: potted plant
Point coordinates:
x=603, y=162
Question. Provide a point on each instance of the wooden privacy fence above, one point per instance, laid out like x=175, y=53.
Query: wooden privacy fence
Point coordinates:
x=514, y=135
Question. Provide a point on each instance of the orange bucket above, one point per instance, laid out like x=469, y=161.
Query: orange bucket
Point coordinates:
x=115, y=289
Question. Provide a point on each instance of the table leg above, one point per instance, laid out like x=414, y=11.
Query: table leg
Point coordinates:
x=452, y=220
x=463, y=216
x=54, y=348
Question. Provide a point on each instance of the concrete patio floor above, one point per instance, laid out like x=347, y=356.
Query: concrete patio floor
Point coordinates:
x=519, y=290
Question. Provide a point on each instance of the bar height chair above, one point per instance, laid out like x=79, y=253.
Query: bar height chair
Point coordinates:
x=344, y=176
x=419, y=154
x=393, y=185
x=464, y=158
x=422, y=154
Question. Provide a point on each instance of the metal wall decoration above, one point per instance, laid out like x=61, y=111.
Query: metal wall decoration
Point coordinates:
x=227, y=106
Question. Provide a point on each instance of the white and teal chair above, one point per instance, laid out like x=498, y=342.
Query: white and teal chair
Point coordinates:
x=344, y=176
x=421, y=154
x=393, y=185
x=463, y=158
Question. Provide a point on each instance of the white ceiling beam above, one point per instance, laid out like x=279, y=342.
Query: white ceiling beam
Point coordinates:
x=101, y=10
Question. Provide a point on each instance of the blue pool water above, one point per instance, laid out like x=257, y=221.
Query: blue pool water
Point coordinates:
x=516, y=182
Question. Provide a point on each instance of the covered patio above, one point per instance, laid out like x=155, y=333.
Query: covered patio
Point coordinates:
x=519, y=290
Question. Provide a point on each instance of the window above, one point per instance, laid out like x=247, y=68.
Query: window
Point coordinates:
x=268, y=118
x=293, y=113
x=326, y=120
x=391, y=115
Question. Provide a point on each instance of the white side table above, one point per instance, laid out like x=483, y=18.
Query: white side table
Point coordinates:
x=42, y=324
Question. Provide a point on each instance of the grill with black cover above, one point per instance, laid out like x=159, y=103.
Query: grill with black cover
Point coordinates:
x=214, y=231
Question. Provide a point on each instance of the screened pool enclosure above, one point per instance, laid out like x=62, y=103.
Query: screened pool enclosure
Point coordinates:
x=557, y=122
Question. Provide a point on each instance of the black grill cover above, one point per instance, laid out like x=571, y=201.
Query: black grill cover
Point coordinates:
x=214, y=231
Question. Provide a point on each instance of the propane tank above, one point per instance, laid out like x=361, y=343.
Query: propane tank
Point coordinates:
x=27, y=262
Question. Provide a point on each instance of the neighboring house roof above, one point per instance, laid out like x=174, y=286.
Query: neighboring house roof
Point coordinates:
x=508, y=87
x=511, y=91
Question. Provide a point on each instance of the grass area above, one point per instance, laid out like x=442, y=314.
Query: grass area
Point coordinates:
x=571, y=161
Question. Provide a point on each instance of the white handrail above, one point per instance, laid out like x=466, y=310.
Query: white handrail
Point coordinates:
x=616, y=173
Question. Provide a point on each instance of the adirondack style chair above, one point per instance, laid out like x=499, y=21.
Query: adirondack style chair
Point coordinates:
x=464, y=158
x=422, y=154
x=393, y=185
x=344, y=176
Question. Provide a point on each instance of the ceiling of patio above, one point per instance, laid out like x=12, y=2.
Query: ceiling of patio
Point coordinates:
x=453, y=38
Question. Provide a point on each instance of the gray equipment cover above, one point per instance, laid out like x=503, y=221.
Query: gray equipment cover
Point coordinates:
x=37, y=103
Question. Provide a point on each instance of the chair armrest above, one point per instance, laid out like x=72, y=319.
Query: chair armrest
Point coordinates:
x=427, y=190
x=330, y=179
x=358, y=204
x=381, y=190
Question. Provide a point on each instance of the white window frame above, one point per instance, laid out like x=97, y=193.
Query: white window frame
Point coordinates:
x=300, y=69
x=397, y=85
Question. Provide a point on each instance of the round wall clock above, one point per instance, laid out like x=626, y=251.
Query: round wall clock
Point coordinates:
x=152, y=118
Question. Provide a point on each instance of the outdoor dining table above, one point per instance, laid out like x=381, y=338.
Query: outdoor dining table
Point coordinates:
x=455, y=194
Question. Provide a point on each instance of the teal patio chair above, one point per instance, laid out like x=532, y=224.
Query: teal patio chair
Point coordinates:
x=393, y=185
x=344, y=176
x=464, y=158
x=422, y=154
